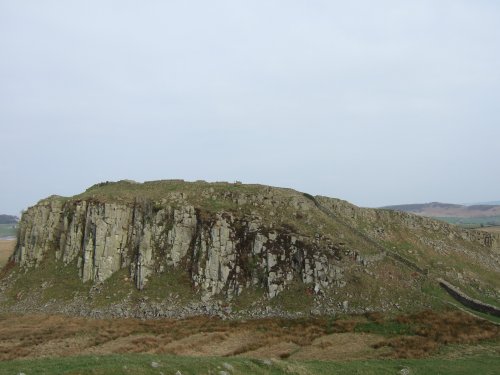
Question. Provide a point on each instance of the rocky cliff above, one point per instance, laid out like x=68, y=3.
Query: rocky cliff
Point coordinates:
x=232, y=238
x=222, y=251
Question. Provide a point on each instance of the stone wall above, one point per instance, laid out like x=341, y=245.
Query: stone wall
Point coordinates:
x=468, y=301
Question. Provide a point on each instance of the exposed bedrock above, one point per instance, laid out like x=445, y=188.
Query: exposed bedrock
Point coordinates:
x=222, y=253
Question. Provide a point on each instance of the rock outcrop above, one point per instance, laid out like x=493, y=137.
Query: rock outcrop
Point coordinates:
x=223, y=253
x=229, y=238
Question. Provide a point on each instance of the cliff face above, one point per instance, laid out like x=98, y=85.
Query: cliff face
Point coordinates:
x=222, y=252
x=231, y=238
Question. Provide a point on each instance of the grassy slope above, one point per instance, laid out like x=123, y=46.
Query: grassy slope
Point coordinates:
x=143, y=364
x=468, y=265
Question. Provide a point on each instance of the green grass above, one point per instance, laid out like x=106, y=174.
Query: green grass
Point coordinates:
x=115, y=289
x=123, y=191
x=249, y=295
x=171, y=281
x=61, y=282
x=8, y=230
x=443, y=299
x=472, y=222
x=53, y=279
x=484, y=365
x=142, y=364
x=297, y=296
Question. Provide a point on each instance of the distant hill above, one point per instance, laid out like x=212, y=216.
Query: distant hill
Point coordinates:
x=8, y=226
x=468, y=216
x=490, y=203
x=437, y=209
x=8, y=219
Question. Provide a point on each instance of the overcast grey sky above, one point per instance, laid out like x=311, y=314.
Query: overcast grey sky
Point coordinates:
x=376, y=102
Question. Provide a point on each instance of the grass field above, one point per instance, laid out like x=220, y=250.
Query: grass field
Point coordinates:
x=472, y=222
x=157, y=364
x=8, y=230
x=6, y=249
x=446, y=342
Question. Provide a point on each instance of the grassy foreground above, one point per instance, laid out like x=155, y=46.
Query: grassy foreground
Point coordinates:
x=161, y=364
x=446, y=342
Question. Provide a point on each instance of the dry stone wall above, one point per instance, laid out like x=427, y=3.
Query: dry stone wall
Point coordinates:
x=468, y=301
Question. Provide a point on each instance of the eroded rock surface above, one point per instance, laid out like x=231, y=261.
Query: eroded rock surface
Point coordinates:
x=223, y=253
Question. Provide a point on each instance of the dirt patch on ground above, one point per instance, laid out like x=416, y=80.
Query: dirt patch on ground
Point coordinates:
x=208, y=344
x=340, y=346
x=6, y=250
x=280, y=350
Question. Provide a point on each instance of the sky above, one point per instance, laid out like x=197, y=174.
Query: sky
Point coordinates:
x=376, y=102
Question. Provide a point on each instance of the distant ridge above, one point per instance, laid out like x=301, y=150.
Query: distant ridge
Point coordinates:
x=8, y=219
x=490, y=203
x=438, y=209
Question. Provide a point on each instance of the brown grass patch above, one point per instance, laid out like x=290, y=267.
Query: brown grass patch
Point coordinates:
x=339, y=346
x=6, y=250
x=279, y=350
x=57, y=335
x=434, y=330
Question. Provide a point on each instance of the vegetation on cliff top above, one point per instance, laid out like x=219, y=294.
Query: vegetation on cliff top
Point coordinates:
x=284, y=207
x=128, y=191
